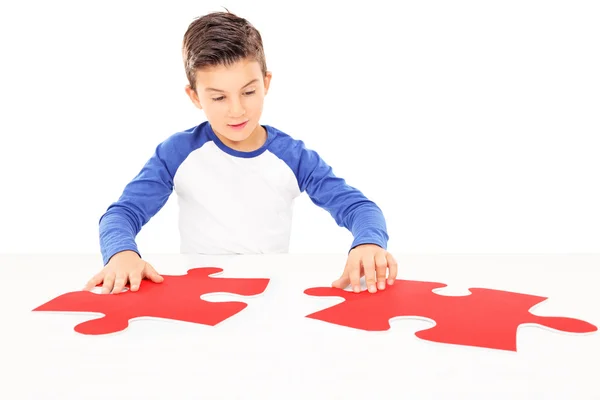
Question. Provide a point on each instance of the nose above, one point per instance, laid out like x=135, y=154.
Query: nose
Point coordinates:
x=236, y=109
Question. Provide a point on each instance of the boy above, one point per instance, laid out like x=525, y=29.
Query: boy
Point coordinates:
x=235, y=178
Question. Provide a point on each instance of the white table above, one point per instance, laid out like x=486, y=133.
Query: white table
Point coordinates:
x=270, y=351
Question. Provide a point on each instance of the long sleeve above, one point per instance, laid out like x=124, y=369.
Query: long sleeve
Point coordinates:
x=144, y=196
x=348, y=206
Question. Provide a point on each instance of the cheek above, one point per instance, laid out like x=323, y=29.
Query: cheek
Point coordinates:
x=254, y=103
x=214, y=108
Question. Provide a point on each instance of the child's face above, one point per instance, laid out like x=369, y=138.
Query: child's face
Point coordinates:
x=231, y=95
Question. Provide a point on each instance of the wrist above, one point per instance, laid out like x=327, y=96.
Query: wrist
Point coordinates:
x=125, y=254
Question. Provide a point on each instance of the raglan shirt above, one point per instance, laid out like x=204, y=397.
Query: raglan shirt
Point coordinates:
x=233, y=202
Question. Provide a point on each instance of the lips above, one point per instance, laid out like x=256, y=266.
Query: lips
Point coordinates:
x=238, y=126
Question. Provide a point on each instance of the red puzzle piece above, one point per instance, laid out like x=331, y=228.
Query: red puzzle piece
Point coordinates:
x=177, y=297
x=486, y=318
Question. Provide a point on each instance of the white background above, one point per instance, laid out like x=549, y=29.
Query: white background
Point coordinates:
x=474, y=125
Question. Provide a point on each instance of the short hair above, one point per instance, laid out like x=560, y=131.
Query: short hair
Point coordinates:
x=220, y=38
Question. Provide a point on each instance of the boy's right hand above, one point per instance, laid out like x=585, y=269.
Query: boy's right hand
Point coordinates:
x=123, y=267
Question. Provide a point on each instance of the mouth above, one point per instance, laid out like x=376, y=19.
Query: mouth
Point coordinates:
x=238, y=126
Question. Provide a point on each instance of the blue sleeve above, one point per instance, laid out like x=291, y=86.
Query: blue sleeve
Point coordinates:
x=143, y=197
x=348, y=206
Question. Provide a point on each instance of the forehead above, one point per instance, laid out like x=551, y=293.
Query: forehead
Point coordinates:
x=228, y=78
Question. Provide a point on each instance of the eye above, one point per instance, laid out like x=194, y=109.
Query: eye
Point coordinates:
x=218, y=98
x=250, y=92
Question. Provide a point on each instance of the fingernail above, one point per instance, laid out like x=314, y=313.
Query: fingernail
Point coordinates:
x=356, y=289
x=390, y=282
x=381, y=285
x=372, y=288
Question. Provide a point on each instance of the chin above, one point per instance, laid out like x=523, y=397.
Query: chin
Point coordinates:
x=235, y=136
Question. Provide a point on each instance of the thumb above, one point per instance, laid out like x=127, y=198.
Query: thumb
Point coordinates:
x=151, y=274
x=342, y=282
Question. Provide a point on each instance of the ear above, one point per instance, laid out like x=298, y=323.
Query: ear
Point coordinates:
x=193, y=96
x=267, y=80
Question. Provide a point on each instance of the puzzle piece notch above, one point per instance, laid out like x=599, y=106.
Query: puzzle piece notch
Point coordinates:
x=486, y=318
x=176, y=298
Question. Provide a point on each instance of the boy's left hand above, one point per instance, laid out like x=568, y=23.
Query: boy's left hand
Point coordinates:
x=371, y=261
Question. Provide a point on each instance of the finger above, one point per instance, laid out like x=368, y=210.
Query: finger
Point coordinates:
x=369, y=266
x=120, y=282
x=381, y=266
x=151, y=274
x=344, y=280
x=92, y=283
x=354, y=274
x=109, y=280
x=135, y=278
x=393, y=266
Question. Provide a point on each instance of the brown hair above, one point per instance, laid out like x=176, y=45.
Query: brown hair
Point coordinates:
x=220, y=38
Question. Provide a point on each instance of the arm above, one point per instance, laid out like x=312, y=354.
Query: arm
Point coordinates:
x=368, y=255
x=141, y=199
x=347, y=205
x=350, y=209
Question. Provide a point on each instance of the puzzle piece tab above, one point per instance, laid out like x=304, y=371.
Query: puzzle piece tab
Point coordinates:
x=486, y=318
x=177, y=297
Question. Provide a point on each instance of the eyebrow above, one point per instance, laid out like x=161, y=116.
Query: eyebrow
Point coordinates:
x=222, y=91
